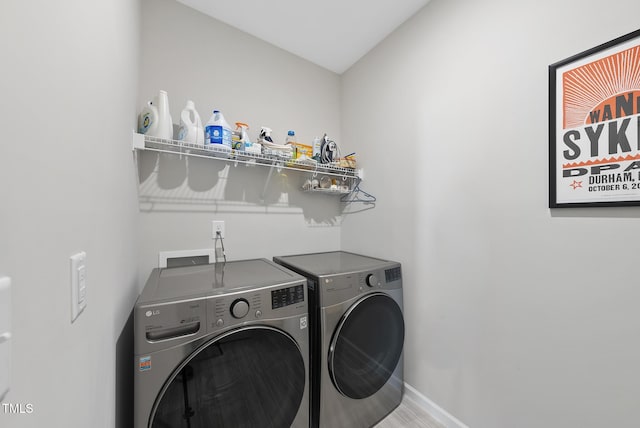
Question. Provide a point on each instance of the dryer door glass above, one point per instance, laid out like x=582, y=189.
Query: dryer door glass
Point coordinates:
x=366, y=346
x=253, y=377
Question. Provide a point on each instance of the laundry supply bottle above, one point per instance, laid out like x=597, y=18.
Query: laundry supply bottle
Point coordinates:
x=316, y=148
x=165, y=124
x=242, y=137
x=191, y=129
x=218, y=131
x=291, y=137
x=148, y=119
x=249, y=146
x=291, y=140
x=236, y=139
x=265, y=136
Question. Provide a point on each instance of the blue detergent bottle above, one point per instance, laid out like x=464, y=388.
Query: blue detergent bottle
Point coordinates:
x=217, y=131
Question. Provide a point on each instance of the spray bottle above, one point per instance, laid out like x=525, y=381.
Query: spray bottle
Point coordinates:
x=237, y=137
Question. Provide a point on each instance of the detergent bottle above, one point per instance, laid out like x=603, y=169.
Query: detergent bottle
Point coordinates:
x=148, y=119
x=165, y=125
x=218, y=131
x=191, y=129
x=155, y=118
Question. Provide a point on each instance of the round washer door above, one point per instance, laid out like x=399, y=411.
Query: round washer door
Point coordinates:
x=253, y=377
x=366, y=346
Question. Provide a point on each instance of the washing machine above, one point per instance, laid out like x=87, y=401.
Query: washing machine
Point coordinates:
x=357, y=336
x=222, y=345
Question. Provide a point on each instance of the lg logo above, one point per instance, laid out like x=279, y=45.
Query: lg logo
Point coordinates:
x=152, y=313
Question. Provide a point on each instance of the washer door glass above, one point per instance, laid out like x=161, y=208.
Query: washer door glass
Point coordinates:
x=253, y=377
x=366, y=346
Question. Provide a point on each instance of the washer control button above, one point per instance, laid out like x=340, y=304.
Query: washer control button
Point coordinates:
x=372, y=280
x=220, y=322
x=239, y=308
x=258, y=314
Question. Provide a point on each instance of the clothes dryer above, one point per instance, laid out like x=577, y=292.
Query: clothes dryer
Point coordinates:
x=222, y=345
x=357, y=336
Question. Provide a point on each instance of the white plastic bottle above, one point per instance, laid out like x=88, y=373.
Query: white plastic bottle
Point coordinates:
x=165, y=124
x=291, y=137
x=148, y=119
x=155, y=119
x=291, y=142
x=191, y=129
x=217, y=131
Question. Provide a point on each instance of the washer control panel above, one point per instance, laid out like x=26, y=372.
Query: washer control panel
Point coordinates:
x=373, y=281
x=287, y=296
x=229, y=310
x=239, y=308
x=233, y=309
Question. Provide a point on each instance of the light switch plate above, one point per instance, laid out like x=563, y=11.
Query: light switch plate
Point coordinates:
x=78, y=284
x=5, y=335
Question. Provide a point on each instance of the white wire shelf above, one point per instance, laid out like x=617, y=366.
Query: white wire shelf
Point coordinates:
x=145, y=142
x=328, y=191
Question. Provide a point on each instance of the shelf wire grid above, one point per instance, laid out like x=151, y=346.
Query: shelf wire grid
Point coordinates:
x=240, y=157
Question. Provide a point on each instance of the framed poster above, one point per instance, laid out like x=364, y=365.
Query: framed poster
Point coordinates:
x=594, y=126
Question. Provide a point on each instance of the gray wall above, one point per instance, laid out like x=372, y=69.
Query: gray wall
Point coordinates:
x=69, y=85
x=192, y=56
x=517, y=315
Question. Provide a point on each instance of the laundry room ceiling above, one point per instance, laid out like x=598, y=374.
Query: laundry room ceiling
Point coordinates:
x=331, y=33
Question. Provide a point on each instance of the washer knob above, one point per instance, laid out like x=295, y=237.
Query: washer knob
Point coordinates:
x=239, y=308
x=372, y=280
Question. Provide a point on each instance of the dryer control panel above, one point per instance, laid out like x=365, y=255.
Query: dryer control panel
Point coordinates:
x=334, y=289
x=393, y=274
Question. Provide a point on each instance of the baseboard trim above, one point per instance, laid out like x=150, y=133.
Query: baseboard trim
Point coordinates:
x=437, y=412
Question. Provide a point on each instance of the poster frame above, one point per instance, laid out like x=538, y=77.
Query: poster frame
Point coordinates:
x=555, y=139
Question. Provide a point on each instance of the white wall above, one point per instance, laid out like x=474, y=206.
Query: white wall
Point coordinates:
x=69, y=87
x=193, y=56
x=517, y=315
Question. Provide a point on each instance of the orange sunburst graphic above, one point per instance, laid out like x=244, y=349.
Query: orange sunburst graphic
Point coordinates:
x=590, y=85
x=604, y=161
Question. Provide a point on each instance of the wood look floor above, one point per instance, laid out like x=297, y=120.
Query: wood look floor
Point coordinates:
x=409, y=415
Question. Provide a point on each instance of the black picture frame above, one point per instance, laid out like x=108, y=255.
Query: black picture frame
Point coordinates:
x=594, y=126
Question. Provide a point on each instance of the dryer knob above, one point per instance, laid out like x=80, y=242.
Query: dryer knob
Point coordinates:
x=372, y=280
x=239, y=308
